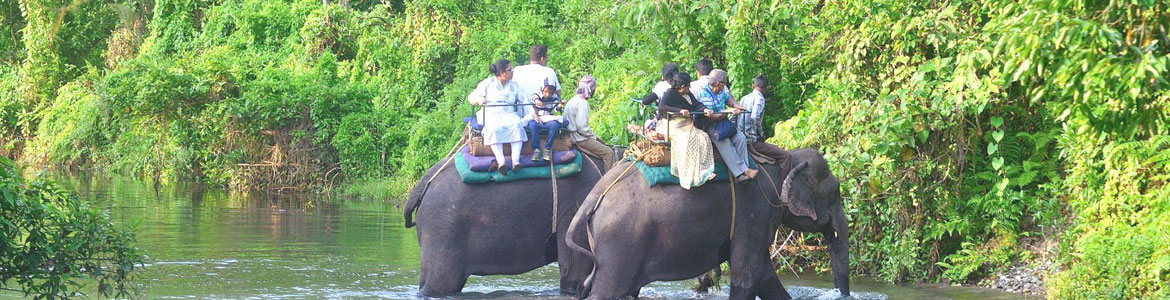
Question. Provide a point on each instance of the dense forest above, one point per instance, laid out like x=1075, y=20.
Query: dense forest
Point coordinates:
x=969, y=135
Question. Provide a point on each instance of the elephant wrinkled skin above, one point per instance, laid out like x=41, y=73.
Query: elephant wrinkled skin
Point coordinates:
x=641, y=234
x=494, y=228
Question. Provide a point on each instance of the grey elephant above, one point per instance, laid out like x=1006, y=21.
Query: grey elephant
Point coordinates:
x=495, y=228
x=637, y=234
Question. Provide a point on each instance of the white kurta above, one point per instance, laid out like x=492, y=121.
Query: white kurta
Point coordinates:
x=533, y=77
x=661, y=87
x=501, y=124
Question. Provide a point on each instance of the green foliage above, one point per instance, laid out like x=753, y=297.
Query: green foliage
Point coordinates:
x=173, y=28
x=959, y=129
x=1119, y=250
x=52, y=244
x=11, y=41
x=11, y=105
x=71, y=121
x=947, y=119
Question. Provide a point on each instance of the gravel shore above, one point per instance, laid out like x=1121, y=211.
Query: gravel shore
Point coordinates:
x=1020, y=278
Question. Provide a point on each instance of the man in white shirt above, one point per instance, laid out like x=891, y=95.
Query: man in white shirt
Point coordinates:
x=535, y=75
x=703, y=68
x=532, y=78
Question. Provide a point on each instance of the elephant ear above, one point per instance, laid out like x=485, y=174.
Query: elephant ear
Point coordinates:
x=802, y=206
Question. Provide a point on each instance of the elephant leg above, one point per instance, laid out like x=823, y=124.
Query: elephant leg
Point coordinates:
x=748, y=276
x=750, y=263
x=441, y=274
x=839, y=249
x=609, y=283
x=574, y=268
x=617, y=274
x=740, y=293
x=771, y=288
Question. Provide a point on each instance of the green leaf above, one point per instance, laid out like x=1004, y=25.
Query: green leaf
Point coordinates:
x=1020, y=71
x=996, y=121
x=997, y=135
x=992, y=148
x=997, y=163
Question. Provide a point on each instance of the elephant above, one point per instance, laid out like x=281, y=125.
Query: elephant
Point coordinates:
x=494, y=228
x=638, y=234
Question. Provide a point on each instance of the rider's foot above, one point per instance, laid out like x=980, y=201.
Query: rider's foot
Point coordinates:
x=742, y=178
x=547, y=154
x=517, y=167
x=536, y=155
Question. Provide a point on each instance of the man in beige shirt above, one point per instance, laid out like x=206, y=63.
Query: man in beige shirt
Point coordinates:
x=577, y=117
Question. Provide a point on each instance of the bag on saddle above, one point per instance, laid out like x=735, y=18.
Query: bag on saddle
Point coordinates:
x=653, y=154
x=723, y=129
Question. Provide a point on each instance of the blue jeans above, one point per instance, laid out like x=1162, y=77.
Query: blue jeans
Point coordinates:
x=534, y=128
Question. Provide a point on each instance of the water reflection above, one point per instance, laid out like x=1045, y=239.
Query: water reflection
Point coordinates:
x=206, y=242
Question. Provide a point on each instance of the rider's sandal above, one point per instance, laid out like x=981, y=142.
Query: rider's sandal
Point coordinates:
x=742, y=178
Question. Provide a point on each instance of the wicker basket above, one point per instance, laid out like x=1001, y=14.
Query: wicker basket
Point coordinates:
x=653, y=154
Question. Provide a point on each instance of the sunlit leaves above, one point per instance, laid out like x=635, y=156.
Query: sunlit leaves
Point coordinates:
x=52, y=243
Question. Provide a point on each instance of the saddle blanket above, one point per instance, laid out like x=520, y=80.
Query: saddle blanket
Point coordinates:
x=534, y=172
x=661, y=175
x=484, y=163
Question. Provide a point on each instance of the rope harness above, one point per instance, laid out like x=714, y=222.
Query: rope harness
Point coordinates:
x=552, y=170
x=774, y=188
x=450, y=158
x=634, y=153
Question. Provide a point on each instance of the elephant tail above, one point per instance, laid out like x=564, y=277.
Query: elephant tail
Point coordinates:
x=583, y=218
x=412, y=203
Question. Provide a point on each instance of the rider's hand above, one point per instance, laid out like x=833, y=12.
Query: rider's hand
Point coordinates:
x=684, y=112
x=736, y=111
x=478, y=101
x=708, y=113
x=539, y=103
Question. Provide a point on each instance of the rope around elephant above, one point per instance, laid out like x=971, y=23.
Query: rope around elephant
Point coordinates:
x=635, y=155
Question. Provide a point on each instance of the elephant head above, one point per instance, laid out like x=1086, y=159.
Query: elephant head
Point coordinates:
x=811, y=198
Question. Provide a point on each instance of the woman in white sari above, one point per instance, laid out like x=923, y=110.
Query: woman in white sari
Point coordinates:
x=691, y=157
x=503, y=124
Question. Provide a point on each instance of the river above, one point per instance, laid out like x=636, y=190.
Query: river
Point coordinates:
x=208, y=243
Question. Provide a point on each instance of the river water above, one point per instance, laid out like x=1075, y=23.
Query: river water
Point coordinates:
x=208, y=243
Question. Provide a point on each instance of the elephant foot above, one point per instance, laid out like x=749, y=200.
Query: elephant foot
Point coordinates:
x=438, y=284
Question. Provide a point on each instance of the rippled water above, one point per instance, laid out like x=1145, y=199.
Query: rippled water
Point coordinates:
x=208, y=243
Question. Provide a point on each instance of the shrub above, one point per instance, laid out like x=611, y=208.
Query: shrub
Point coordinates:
x=53, y=244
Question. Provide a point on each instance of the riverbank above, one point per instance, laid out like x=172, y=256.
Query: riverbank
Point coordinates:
x=210, y=242
x=1022, y=279
x=956, y=128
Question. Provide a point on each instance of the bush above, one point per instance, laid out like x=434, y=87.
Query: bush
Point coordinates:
x=962, y=131
x=359, y=146
x=53, y=244
x=68, y=126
